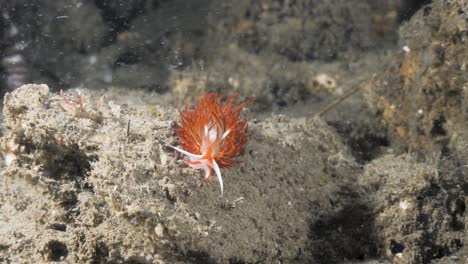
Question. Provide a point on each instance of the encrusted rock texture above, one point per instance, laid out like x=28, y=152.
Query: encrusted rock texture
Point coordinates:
x=87, y=175
x=111, y=189
x=422, y=96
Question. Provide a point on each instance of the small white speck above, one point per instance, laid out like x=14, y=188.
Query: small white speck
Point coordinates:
x=159, y=230
x=9, y=158
x=5, y=15
x=14, y=59
x=406, y=49
x=21, y=45
x=339, y=91
x=233, y=82
x=13, y=31
x=92, y=59
x=420, y=112
x=108, y=77
x=404, y=205
x=399, y=255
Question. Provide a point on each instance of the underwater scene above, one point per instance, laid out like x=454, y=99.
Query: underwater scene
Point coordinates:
x=234, y=132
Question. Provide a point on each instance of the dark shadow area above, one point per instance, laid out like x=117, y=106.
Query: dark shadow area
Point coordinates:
x=438, y=127
x=365, y=145
x=58, y=227
x=56, y=250
x=410, y=7
x=444, y=196
x=345, y=235
x=198, y=257
x=101, y=253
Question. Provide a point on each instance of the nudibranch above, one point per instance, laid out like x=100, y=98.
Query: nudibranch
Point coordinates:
x=213, y=133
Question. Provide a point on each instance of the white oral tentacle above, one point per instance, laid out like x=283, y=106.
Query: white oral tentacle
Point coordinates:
x=218, y=173
x=226, y=134
x=191, y=155
x=204, y=165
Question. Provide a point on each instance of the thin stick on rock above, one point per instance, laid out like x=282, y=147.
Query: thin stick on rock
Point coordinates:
x=339, y=100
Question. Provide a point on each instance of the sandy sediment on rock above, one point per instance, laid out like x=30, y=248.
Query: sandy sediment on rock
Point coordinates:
x=86, y=180
x=102, y=185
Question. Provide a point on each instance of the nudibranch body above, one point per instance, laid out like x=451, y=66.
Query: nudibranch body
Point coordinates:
x=213, y=133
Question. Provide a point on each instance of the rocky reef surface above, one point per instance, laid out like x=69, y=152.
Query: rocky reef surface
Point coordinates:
x=380, y=177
